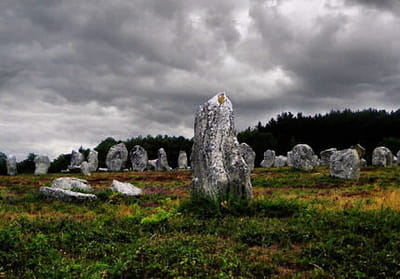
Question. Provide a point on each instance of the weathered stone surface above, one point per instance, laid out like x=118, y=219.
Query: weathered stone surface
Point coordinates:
x=152, y=164
x=248, y=155
x=42, y=164
x=326, y=155
x=103, y=170
x=269, y=159
x=11, y=165
x=117, y=157
x=394, y=160
x=65, y=195
x=345, y=164
x=76, y=160
x=126, y=189
x=280, y=161
x=398, y=158
x=302, y=157
x=382, y=156
x=93, y=160
x=85, y=169
x=360, y=150
x=139, y=158
x=70, y=183
x=182, y=160
x=219, y=170
x=162, y=161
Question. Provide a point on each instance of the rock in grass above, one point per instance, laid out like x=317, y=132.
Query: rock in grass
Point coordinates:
x=345, y=164
x=219, y=170
x=162, y=161
x=182, y=160
x=248, y=155
x=280, y=161
x=11, y=165
x=360, y=150
x=117, y=157
x=139, y=158
x=302, y=157
x=269, y=159
x=152, y=164
x=126, y=189
x=42, y=164
x=326, y=156
x=64, y=195
x=93, y=160
x=363, y=162
x=85, y=169
x=70, y=183
x=382, y=156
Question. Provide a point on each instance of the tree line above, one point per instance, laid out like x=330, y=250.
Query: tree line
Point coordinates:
x=340, y=129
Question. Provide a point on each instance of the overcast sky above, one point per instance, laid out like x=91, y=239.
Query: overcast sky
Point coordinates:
x=74, y=72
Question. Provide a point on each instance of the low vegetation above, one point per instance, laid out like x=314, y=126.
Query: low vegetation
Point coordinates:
x=300, y=225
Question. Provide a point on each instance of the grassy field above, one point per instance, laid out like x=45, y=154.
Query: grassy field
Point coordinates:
x=300, y=225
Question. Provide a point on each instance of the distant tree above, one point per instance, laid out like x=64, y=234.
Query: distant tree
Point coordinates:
x=27, y=165
x=3, y=163
x=60, y=163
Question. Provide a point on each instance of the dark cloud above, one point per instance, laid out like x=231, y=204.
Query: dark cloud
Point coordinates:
x=74, y=72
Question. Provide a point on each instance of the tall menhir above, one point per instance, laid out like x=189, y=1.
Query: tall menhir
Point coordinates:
x=219, y=170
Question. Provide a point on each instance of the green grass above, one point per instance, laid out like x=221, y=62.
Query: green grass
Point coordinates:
x=300, y=225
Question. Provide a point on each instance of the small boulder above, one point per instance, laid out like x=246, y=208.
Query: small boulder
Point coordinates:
x=345, y=164
x=152, y=164
x=126, y=189
x=248, y=155
x=93, y=160
x=42, y=164
x=64, y=195
x=117, y=157
x=269, y=159
x=363, y=162
x=302, y=157
x=139, y=158
x=11, y=165
x=280, y=161
x=398, y=156
x=360, y=150
x=326, y=156
x=70, y=183
x=382, y=156
x=182, y=160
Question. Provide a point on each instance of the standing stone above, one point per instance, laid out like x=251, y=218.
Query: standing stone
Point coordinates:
x=280, y=161
x=326, y=155
x=345, y=164
x=302, y=157
x=248, y=155
x=162, y=161
x=42, y=164
x=182, y=160
x=219, y=170
x=269, y=159
x=11, y=165
x=398, y=158
x=76, y=160
x=117, y=157
x=139, y=158
x=382, y=156
x=85, y=168
x=360, y=150
x=93, y=160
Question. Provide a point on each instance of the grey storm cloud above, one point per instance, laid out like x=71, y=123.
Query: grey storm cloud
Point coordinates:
x=75, y=72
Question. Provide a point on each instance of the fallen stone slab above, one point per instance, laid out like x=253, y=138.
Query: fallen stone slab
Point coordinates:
x=65, y=195
x=69, y=183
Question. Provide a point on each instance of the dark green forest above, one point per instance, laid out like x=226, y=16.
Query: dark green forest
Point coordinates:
x=340, y=129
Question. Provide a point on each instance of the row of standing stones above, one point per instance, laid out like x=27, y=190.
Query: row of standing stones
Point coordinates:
x=221, y=166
